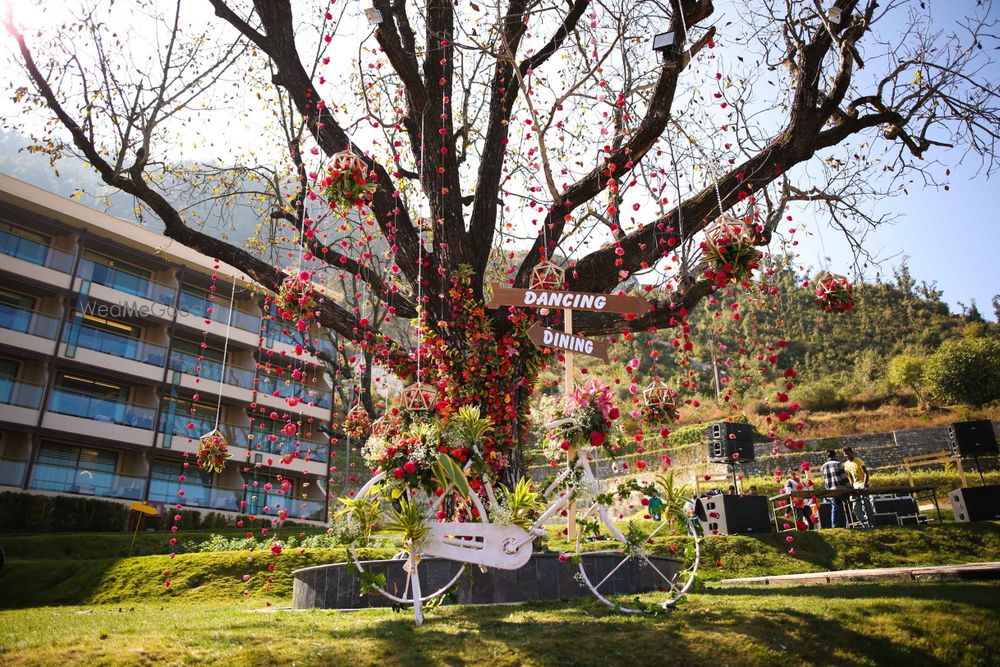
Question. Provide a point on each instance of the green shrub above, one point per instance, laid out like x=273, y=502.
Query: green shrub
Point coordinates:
x=965, y=371
x=822, y=395
x=32, y=513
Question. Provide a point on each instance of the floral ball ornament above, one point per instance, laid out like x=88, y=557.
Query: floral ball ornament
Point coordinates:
x=346, y=181
x=659, y=404
x=834, y=294
x=728, y=247
x=213, y=452
x=296, y=300
x=357, y=423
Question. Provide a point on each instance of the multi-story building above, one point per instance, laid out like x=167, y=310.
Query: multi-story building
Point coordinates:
x=101, y=389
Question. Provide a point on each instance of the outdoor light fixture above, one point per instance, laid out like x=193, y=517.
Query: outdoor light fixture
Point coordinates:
x=665, y=43
x=373, y=15
x=834, y=14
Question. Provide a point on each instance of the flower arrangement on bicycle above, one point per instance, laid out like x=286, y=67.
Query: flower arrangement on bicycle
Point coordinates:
x=585, y=419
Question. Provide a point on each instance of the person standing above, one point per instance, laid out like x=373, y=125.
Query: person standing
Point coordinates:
x=794, y=484
x=857, y=475
x=835, y=479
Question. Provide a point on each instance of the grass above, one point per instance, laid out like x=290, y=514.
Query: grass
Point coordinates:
x=32, y=577
x=915, y=624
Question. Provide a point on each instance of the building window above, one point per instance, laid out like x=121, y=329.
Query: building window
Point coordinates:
x=91, y=387
x=75, y=470
x=24, y=244
x=117, y=274
x=16, y=311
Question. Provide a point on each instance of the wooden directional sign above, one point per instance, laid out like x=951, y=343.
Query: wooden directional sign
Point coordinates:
x=542, y=298
x=545, y=337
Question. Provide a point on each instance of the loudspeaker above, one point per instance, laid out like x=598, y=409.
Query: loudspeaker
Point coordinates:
x=727, y=451
x=730, y=431
x=975, y=438
x=729, y=515
x=977, y=503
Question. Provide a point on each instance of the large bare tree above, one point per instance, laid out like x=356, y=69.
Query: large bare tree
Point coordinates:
x=503, y=130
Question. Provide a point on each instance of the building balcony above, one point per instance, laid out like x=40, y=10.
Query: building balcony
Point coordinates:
x=177, y=428
x=74, y=412
x=263, y=503
x=28, y=330
x=204, y=376
x=195, y=320
x=198, y=495
x=104, y=349
x=239, y=319
x=126, y=283
x=36, y=261
x=312, y=448
x=319, y=396
x=65, y=479
x=20, y=401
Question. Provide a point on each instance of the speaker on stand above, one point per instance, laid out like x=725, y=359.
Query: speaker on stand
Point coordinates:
x=974, y=439
x=731, y=443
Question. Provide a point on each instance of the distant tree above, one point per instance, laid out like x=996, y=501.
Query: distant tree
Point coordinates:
x=973, y=314
x=965, y=371
x=906, y=370
x=996, y=307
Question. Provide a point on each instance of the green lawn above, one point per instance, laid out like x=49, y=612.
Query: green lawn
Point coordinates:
x=116, y=610
x=915, y=624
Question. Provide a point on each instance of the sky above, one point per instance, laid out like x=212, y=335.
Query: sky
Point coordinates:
x=948, y=238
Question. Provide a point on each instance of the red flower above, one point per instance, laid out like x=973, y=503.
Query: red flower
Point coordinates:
x=596, y=438
x=410, y=466
x=397, y=473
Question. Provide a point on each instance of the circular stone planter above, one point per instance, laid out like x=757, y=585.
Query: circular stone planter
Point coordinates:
x=334, y=586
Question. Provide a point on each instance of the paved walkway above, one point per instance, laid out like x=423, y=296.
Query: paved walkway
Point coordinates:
x=967, y=571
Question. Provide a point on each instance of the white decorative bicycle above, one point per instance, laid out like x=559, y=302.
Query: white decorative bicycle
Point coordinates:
x=607, y=527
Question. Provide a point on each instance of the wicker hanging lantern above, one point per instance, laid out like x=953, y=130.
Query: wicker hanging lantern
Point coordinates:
x=659, y=394
x=547, y=275
x=419, y=396
x=347, y=161
x=726, y=229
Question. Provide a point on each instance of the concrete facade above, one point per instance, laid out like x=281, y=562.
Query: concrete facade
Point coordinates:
x=101, y=390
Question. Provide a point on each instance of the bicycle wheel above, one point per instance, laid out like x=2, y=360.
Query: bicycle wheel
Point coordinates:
x=638, y=550
x=372, y=521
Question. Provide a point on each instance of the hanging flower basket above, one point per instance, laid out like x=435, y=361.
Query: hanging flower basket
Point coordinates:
x=729, y=248
x=346, y=183
x=296, y=300
x=660, y=403
x=834, y=294
x=213, y=452
x=357, y=424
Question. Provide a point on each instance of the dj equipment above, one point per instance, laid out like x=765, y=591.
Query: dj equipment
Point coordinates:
x=977, y=503
x=973, y=438
x=729, y=442
x=892, y=510
x=729, y=515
